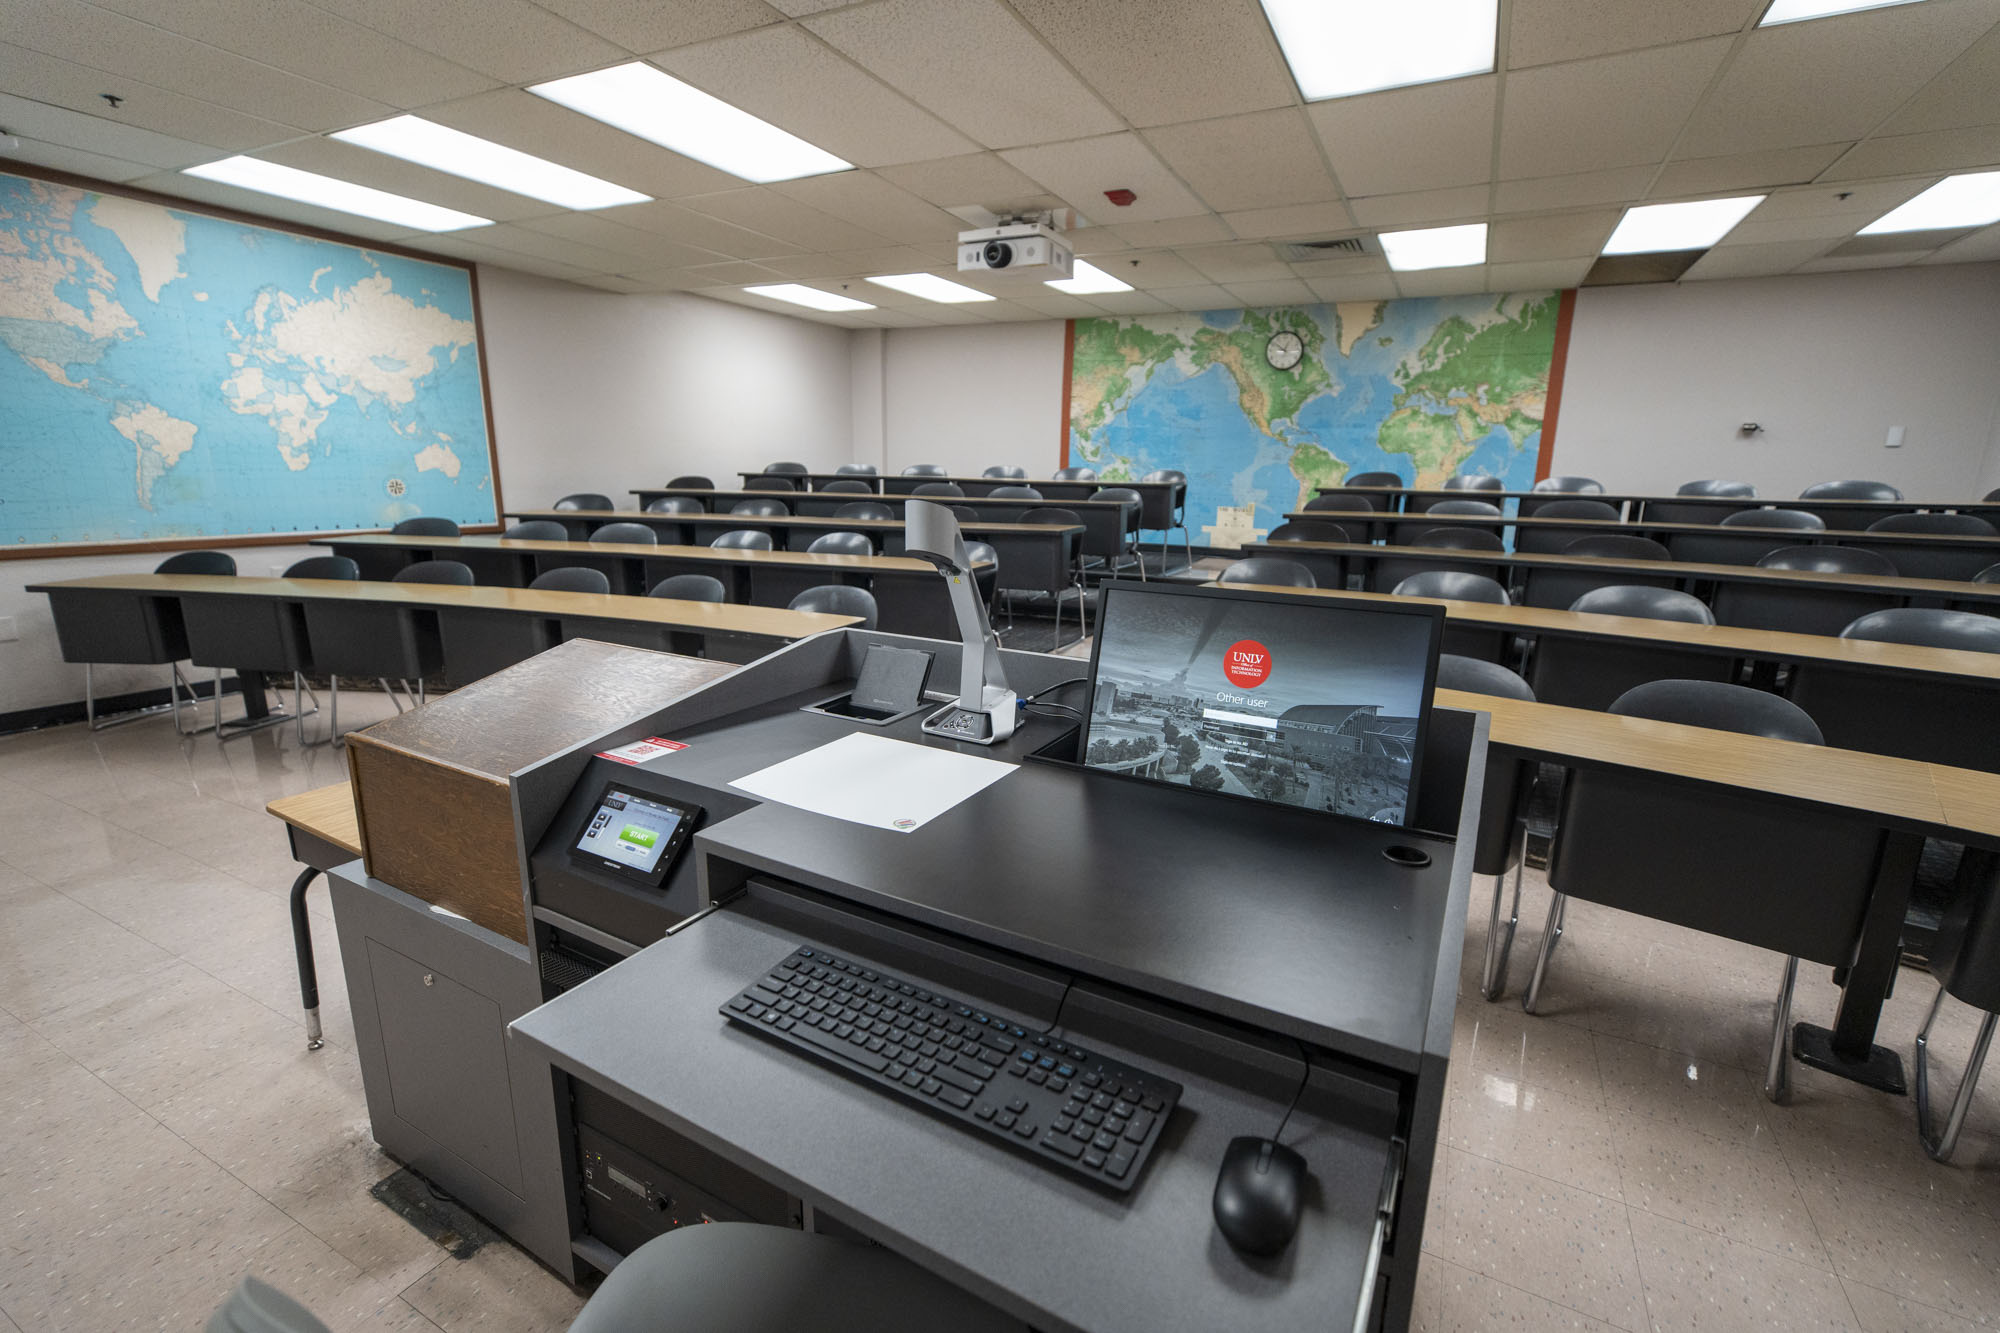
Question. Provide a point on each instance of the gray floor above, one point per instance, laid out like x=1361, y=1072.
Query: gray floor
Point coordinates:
x=163, y=1129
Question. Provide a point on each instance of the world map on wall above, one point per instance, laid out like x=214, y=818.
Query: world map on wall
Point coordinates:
x=167, y=374
x=1425, y=388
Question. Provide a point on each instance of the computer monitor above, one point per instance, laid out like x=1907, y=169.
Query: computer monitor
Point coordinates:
x=1314, y=700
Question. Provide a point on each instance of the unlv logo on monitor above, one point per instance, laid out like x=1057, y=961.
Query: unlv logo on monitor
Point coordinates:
x=1247, y=663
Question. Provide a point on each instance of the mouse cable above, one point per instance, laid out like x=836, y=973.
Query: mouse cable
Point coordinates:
x=1051, y=689
x=1297, y=1092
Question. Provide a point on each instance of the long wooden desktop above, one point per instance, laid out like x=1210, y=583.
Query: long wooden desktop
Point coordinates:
x=1847, y=514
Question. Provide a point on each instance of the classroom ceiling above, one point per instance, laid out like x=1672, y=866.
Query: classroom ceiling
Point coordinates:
x=1005, y=104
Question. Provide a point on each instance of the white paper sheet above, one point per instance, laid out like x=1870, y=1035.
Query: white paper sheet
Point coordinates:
x=875, y=781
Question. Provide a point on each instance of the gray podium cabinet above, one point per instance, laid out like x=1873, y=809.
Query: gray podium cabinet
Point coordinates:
x=1233, y=946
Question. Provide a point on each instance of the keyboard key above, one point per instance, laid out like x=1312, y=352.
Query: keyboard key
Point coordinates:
x=1092, y=1079
x=1038, y=1076
x=1104, y=1142
x=1119, y=1163
x=1026, y=1129
x=1063, y=1144
x=987, y=1110
x=930, y=1087
x=976, y=1068
x=1005, y=1119
x=866, y=1060
x=1152, y=1103
x=958, y=1079
x=1094, y=1160
x=953, y=1097
x=1142, y=1125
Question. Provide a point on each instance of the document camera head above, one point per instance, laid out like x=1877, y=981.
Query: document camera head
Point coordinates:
x=931, y=532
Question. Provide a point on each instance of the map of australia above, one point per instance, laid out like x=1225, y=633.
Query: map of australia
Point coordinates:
x=171, y=374
x=1258, y=407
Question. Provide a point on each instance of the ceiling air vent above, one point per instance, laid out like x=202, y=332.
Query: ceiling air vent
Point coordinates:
x=1300, y=252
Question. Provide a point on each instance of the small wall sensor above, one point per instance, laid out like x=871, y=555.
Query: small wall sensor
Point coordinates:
x=1749, y=428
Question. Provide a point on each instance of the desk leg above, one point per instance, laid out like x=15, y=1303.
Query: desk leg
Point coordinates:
x=1849, y=1049
x=302, y=942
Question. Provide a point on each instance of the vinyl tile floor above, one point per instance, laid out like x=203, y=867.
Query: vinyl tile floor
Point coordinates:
x=1610, y=1164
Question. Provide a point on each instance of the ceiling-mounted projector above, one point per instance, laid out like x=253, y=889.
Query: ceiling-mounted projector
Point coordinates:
x=1033, y=249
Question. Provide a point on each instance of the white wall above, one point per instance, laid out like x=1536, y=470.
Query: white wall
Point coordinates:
x=973, y=396
x=1660, y=377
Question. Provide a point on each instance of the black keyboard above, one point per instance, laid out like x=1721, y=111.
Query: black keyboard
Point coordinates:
x=1082, y=1113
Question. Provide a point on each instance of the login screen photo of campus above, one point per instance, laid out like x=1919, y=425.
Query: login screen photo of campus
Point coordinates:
x=1308, y=707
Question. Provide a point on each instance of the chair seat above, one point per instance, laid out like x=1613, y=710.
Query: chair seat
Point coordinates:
x=737, y=1277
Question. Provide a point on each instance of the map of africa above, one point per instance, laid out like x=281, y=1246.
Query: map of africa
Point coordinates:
x=1423, y=388
x=169, y=374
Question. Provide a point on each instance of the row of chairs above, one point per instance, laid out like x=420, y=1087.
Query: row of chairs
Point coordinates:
x=1570, y=485
x=1546, y=540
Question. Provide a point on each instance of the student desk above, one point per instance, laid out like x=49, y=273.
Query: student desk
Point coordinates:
x=1160, y=498
x=324, y=832
x=1843, y=514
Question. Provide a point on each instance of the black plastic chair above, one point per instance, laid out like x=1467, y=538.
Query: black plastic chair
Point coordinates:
x=841, y=543
x=1174, y=517
x=690, y=482
x=537, y=530
x=1459, y=539
x=1271, y=570
x=453, y=573
x=257, y=639
x=1951, y=525
x=770, y=483
x=197, y=562
x=676, y=504
x=847, y=486
x=1579, y=672
x=572, y=580
x=1341, y=504
x=1769, y=874
x=964, y=513
x=864, y=509
x=1775, y=518
x=1645, y=603
x=1004, y=472
x=760, y=508
x=1454, y=585
x=1929, y=627
x=1483, y=508
x=1376, y=479
x=857, y=469
x=1502, y=835
x=786, y=469
x=742, y=539
x=1724, y=489
x=592, y=500
x=926, y=470
x=691, y=588
x=1990, y=574
x=629, y=534
x=1829, y=559
x=1014, y=493
x=1937, y=719
x=425, y=527
x=1470, y=482
x=1074, y=474
x=1597, y=511
x=1128, y=537
x=949, y=489
x=838, y=599
x=382, y=640
x=1530, y=539
x=1569, y=486
x=324, y=567
x=1965, y=959
x=1851, y=490
x=1617, y=546
x=1309, y=530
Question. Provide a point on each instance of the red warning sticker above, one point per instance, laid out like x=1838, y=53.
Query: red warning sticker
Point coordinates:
x=638, y=752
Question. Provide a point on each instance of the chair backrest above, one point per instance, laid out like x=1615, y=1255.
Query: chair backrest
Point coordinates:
x=537, y=530
x=691, y=588
x=1309, y=530
x=1002, y=470
x=964, y=513
x=838, y=599
x=1374, y=479
x=1125, y=493
x=848, y=488
x=455, y=572
x=787, y=469
x=1625, y=599
x=1617, y=546
x=592, y=500
x=676, y=504
x=1164, y=474
x=323, y=567
x=1484, y=508
x=573, y=579
x=1570, y=486
x=1475, y=675
x=982, y=553
x=1014, y=493
x=1719, y=706
x=691, y=482
x=1929, y=627
x=927, y=470
x=1851, y=490
x=950, y=489
x=770, y=483
x=760, y=508
x=1990, y=574
x=841, y=543
x=864, y=509
x=743, y=539
x=1343, y=504
x=1591, y=509
x=1459, y=539
x=857, y=469
x=1053, y=516
x=1074, y=474
x=427, y=526
x=1735, y=490
x=1466, y=481
x=1775, y=518
x=631, y=534
x=1269, y=569
x=197, y=562
x=1828, y=560
x=1452, y=585
x=1955, y=525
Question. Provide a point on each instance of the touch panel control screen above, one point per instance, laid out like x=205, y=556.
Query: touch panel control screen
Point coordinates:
x=631, y=831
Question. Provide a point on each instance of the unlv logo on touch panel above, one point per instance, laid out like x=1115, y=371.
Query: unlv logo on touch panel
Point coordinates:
x=1247, y=663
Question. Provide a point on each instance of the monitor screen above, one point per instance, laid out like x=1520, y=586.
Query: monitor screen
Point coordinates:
x=631, y=832
x=1318, y=701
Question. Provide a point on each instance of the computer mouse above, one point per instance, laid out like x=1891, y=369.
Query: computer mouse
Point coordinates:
x=1258, y=1194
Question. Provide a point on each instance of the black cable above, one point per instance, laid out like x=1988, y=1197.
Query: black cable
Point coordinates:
x=1298, y=1092
x=1051, y=689
x=1056, y=1022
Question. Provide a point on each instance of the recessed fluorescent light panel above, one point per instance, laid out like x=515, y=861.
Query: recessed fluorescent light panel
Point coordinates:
x=1653, y=228
x=1088, y=278
x=642, y=100
x=799, y=294
x=1795, y=11
x=1338, y=48
x=1435, y=247
x=931, y=287
x=441, y=148
x=1955, y=201
x=252, y=173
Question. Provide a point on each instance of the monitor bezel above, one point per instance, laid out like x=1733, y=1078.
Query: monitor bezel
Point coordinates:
x=1430, y=612
x=677, y=841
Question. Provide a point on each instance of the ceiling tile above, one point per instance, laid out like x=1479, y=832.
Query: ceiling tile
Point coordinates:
x=1981, y=245
x=867, y=200
x=1368, y=287
x=812, y=268
x=737, y=274
x=647, y=25
x=535, y=125
x=1059, y=305
x=115, y=142
x=1964, y=94
x=1198, y=297
x=1819, y=227
x=1262, y=160
x=1834, y=79
x=45, y=78
x=691, y=228
x=1848, y=263
x=1443, y=281
x=1540, y=275
x=35, y=153
x=1159, y=61
x=973, y=63
x=1422, y=138
x=794, y=81
x=1082, y=170
x=1096, y=241
x=611, y=282
x=563, y=250
x=1937, y=150
x=983, y=179
x=1544, y=31
x=1285, y=291
x=307, y=40
x=763, y=209
x=330, y=157
x=1291, y=221
x=1584, y=116
x=594, y=229
x=511, y=40
x=1573, y=191
x=1008, y=312
x=1199, y=229
x=1871, y=199
x=1153, y=269
x=280, y=211
x=1758, y=172
x=1131, y=303
x=1421, y=208
x=805, y=8
x=1245, y=262
x=487, y=256
x=885, y=259
x=1754, y=261
x=1556, y=236
x=1346, y=266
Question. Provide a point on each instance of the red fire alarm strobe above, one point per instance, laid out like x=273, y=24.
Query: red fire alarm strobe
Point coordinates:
x=1122, y=198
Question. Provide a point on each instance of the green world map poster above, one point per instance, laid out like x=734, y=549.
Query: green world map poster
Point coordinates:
x=1258, y=407
x=168, y=374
